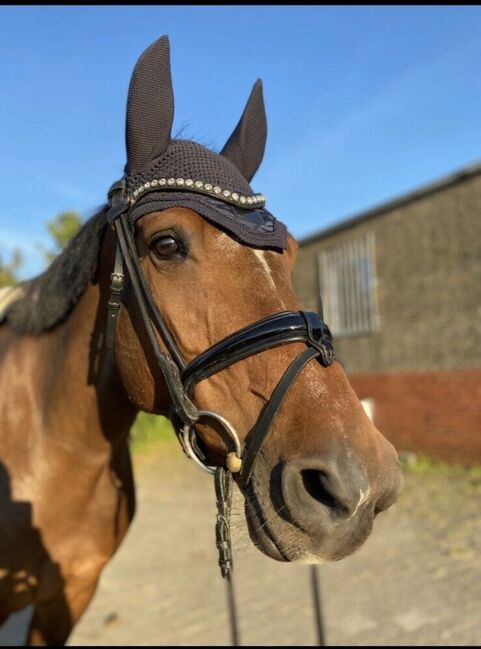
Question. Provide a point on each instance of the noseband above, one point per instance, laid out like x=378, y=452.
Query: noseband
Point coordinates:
x=181, y=377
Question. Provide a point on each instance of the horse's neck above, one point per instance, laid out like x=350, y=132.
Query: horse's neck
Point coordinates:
x=84, y=403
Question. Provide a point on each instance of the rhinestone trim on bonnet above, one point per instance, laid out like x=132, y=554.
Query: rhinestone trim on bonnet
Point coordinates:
x=202, y=188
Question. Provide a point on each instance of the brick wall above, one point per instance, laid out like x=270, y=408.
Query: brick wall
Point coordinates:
x=422, y=365
x=438, y=413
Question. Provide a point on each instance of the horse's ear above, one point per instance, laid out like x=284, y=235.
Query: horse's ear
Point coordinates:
x=245, y=147
x=150, y=107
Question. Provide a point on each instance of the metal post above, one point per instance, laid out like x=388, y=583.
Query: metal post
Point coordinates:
x=316, y=600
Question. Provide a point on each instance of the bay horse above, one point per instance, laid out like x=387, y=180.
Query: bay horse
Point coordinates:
x=78, y=362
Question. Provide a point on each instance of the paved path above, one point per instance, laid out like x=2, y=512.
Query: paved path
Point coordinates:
x=416, y=581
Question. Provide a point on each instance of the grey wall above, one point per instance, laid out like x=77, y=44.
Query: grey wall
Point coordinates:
x=428, y=266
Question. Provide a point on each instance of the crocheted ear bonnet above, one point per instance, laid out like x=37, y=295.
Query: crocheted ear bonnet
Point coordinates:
x=162, y=172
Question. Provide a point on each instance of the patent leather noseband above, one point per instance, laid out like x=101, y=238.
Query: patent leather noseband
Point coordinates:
x=181, y=377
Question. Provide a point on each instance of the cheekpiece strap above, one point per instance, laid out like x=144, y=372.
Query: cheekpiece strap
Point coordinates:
x=118, y=200
x=115, y=297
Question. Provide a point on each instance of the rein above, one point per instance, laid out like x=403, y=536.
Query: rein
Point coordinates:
x=181, y=377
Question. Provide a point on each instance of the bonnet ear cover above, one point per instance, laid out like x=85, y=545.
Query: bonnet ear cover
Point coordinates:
x=162, y=172
x=245, y=147
x=150, y=107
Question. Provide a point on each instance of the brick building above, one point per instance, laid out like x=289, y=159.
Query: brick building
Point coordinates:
x=401, y=291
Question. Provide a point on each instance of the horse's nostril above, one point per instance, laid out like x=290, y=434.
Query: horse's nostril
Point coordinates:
x=316, y=483
x=326, y=495
x=391, y=494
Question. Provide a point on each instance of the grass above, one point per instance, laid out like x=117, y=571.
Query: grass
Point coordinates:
x=424, y=464
x=150, y=430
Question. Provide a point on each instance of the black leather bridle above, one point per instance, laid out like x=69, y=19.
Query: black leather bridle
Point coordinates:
x=181, y=377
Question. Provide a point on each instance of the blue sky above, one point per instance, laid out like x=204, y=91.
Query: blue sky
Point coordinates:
x=363, y=103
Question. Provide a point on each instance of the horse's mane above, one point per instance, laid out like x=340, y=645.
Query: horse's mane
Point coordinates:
x=50, y=297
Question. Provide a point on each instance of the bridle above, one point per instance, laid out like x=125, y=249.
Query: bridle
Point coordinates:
x=181, y=377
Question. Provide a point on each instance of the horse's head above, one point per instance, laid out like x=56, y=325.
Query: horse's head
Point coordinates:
x=212, y=267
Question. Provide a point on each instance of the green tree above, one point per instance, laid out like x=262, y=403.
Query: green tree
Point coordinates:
x=8, y=269
x=62, y=228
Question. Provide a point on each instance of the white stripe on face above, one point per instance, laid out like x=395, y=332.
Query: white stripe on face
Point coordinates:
x=228, y=245
x=260, y=256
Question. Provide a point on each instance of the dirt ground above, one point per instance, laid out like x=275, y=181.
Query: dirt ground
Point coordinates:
x=416, y=581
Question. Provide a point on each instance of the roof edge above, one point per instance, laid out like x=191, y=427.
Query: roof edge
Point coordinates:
x=453, y=178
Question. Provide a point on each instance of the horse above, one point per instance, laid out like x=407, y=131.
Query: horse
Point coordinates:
x=79, y=361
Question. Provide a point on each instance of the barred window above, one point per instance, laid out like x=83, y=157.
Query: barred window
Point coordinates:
x=347, y=283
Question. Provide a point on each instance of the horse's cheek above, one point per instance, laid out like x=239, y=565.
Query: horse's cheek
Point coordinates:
x=132, y=365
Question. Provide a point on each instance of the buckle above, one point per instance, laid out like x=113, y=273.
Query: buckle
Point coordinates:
x=118, y=201
x=319, y=337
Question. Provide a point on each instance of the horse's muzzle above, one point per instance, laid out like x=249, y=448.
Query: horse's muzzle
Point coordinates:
x=334, y=503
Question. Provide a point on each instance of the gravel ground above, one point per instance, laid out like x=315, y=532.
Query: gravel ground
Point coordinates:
x=416, y=581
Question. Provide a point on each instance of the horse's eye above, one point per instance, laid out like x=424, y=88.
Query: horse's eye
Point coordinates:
x=165, y=246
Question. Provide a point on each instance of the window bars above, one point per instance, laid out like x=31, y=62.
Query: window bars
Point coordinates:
x=347, y=283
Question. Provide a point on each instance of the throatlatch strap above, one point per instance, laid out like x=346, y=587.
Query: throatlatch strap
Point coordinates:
x=263, y=424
